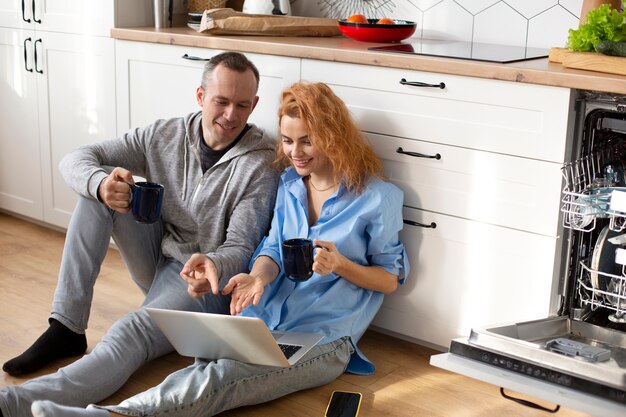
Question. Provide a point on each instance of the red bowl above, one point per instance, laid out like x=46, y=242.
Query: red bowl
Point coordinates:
x=373, y=32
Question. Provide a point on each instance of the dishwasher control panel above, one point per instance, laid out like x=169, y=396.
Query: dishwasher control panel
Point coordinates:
x=539, y=372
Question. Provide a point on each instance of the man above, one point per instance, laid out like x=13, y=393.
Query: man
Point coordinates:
x=219, y=194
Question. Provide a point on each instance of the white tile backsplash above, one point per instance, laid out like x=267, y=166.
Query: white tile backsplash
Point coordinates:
x=476, y=6
x=500, y=24
x=530, y=9
x=572, y=6
x=536, y=23
x=551, y=27
x=447, y=21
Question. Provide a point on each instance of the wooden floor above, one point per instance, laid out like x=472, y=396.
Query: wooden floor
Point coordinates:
x=403, y=385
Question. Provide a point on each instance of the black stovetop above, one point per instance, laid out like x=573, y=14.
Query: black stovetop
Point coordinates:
x=466, y=50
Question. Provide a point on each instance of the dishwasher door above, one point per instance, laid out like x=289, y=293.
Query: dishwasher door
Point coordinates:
x=547, y=391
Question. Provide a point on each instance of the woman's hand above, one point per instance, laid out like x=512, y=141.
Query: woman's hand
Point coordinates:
x=245, y=290
x=201, y=275
x=330, y=260
x=327, y=260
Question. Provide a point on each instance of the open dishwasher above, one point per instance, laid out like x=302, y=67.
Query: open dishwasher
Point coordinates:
x=578, y=357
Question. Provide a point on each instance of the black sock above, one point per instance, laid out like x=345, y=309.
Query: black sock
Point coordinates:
x=55, y=343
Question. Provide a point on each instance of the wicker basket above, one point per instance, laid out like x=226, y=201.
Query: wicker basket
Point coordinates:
x=199, y=6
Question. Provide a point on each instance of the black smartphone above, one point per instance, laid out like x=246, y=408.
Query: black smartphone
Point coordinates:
x=344, y=404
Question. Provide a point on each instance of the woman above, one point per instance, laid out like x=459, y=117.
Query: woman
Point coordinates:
x=332, y=192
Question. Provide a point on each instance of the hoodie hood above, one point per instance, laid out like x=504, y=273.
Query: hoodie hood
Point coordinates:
x=254, y=140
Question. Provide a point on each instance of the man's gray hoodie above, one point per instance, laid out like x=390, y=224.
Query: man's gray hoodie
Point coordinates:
x=224, y=213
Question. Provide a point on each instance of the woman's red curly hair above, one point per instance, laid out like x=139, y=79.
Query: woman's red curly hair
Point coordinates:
x=333, y=131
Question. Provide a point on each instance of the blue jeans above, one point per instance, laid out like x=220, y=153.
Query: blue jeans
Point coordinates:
x=208, y=387
x=133, y=340
x=87, y=240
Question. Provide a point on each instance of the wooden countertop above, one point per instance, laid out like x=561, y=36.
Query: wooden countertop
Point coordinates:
x=341, y=49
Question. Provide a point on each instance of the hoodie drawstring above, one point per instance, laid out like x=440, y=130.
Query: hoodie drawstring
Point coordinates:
x=186, y=144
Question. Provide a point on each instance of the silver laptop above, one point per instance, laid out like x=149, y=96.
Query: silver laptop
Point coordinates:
x=221, y=336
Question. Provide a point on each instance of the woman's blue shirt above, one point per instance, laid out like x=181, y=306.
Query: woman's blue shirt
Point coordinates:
x=365, y=228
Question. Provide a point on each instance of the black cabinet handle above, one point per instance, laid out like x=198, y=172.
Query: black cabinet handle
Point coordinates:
x=34, y=18
x=432, y=225
x=35, y=49
x=417, y=154
x=194, y=58
x=441, y=85
x=24, y=11
x=26, y=55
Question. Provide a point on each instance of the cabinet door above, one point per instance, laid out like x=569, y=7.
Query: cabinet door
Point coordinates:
x=88, y=17
x=91, y=17
x=76, y=89
x=155, y=81
x=467, y=274
x=16, y=14
x=20, y=169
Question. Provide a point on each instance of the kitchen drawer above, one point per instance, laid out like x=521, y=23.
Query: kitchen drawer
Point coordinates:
x=491, y=115
x=466, y=274
x=493, y=188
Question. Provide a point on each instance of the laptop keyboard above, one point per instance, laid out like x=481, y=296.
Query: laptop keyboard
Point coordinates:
x=289, y=350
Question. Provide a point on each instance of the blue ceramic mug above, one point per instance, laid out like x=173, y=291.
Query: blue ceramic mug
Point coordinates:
x=146, y=200
x=298, y=258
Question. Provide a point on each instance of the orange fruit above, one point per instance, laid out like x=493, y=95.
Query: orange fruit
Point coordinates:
x=385, y=21
x=357, y=18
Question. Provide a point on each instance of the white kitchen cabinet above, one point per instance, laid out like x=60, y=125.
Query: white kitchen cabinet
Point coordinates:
x=58, y=92
x=480, y=160
x=20, y=164
x=90, y=17
x=465, y=273
x=83, y=17
x=155, y=81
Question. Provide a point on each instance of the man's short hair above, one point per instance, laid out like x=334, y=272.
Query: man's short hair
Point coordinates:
x=232, y=60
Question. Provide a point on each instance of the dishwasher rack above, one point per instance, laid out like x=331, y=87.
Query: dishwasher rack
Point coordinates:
x=593, y=207
x=587, y=194
x=586, y=205
x=612, y=297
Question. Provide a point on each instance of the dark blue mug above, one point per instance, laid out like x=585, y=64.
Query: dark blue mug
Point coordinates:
x=146, y=199
x=298, y=258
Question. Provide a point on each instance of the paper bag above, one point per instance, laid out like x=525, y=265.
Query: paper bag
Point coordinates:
x=230, y=22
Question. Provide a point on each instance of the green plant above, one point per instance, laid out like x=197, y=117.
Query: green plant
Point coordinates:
x=603, y=24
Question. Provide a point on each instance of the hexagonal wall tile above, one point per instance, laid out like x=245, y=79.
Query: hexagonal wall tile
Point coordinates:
x=422, y=4
x=447, y=20
x=532, y=8
x=476, y=6
x=550, y=28
x=572, y=6
x=500, y=24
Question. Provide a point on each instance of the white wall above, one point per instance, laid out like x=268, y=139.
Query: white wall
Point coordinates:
x=536, y=23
